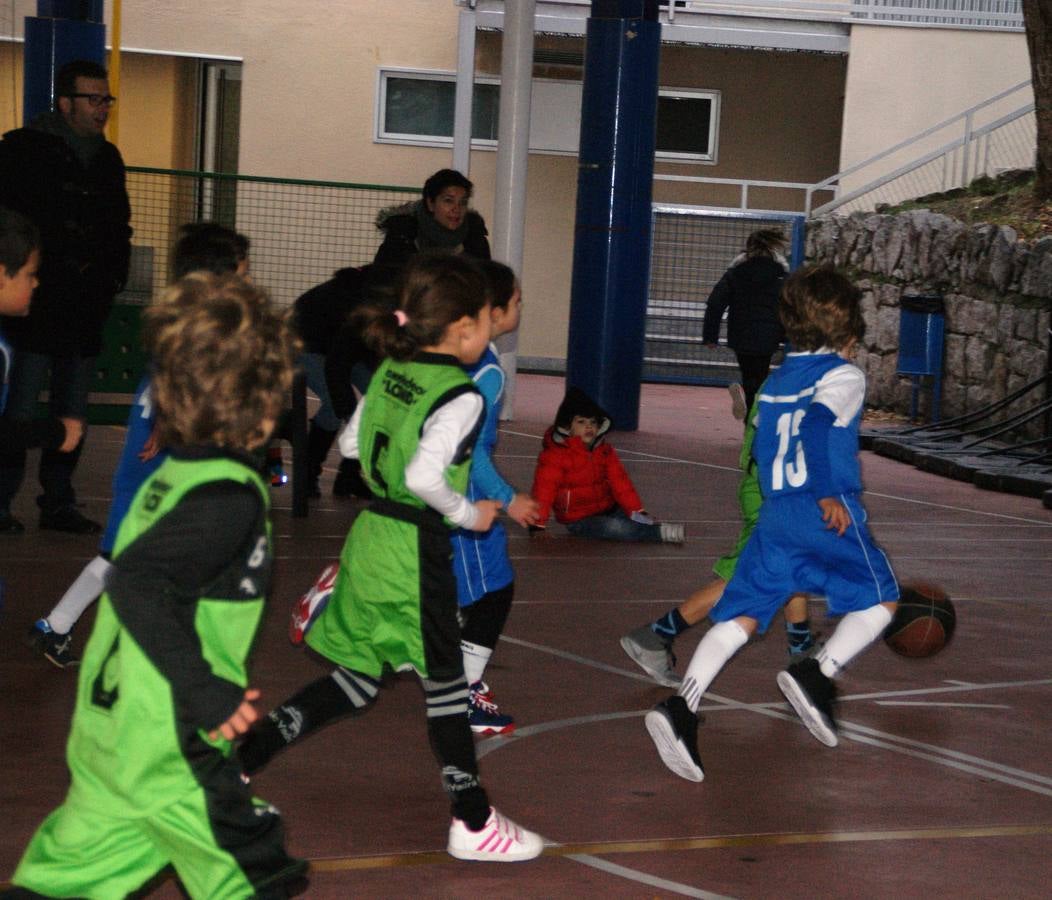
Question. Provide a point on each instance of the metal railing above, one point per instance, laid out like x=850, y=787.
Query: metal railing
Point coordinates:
x=982, y=14
x=947, y=155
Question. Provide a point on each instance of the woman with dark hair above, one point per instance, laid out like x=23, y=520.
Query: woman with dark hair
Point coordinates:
x=439, y=220
x=749, y=291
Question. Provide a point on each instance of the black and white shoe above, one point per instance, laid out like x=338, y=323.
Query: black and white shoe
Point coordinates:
x=674, y=730
x=811, y=694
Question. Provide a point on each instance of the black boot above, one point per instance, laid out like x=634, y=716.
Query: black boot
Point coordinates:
x=319, y=442
x=349, y=481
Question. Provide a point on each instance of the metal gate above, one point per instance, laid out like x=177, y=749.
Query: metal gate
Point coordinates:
x=692, y=248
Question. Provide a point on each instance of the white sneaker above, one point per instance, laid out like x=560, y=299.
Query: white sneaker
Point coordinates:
x=671, y=534
x=500, y=840
x=738, y=408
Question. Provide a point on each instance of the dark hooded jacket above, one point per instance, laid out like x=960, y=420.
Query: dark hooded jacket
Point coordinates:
x=80, y=204
x=749, y=289
x=402, y=240
x=574, y=480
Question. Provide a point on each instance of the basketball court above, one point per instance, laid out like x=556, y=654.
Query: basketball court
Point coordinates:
x=941, y=785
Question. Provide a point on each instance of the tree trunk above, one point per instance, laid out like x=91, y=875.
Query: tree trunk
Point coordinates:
x=1037, y=17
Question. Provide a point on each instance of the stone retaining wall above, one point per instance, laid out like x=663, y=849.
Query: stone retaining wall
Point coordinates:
x=997, y=291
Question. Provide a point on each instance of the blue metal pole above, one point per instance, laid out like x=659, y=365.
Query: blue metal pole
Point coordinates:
x=62, y=31
x=611, y=264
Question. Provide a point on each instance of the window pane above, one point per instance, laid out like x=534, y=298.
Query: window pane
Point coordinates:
x=419, y=106
x=424, y=107
x=485, y=112
x=683, y=125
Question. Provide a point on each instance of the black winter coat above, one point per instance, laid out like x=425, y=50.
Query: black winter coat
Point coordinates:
x=83, y=215
x=749, y=290
x=400, y=234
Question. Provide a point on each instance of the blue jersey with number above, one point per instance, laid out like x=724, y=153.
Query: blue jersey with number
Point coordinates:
x=791, y=549
x=784, y=399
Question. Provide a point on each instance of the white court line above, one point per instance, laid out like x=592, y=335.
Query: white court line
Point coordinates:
x=642, y=878
x=925, y=703
x=851, y=730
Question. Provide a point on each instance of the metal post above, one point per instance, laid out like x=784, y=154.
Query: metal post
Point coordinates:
x=62, y=31
x=465, y=87
x=965, y=152
x=612, y=238
x=509, y=206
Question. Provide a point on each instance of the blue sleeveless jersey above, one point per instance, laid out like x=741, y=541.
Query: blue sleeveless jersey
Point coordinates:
x=480, y=558
x=131, y=471
x=783, y=402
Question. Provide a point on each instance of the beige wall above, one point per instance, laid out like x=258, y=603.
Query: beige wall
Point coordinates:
x=901, y=81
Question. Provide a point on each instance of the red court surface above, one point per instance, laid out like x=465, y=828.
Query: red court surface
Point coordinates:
x=941, y=785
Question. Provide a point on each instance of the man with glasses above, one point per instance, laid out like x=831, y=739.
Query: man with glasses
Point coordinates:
x=64, y=175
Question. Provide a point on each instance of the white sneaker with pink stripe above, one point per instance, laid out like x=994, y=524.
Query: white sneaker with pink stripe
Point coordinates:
x=500, y=840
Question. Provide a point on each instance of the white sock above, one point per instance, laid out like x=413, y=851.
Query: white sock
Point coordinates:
x=720, y=643
x=80, y=595
x=475, y=659
x=856, y=631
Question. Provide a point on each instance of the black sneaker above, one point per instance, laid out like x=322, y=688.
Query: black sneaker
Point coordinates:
x=69, y=519
x=811, y=694
x=57, y=648
x=10, y=525
x=674, y=731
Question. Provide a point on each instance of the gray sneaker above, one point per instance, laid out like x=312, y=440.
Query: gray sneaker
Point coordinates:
x=653, y=655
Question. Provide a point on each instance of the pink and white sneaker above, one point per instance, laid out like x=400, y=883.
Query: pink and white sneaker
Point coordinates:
x=310, y=605
x=499, y=840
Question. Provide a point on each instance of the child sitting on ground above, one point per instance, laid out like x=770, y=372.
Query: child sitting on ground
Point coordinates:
x=163, y=687
x=811, y=534
x=581, y=480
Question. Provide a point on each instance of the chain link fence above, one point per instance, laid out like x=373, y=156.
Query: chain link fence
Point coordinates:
x=300, y=233
x=692, y=248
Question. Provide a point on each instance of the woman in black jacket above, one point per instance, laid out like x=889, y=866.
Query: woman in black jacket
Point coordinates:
x=439, y=220
x=749, y=289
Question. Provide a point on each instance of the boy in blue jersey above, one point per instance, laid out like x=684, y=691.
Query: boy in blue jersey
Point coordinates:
x=811, y=535
x=202, y=247
x=485, y=579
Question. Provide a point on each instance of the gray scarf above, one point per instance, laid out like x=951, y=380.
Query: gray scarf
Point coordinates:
x=431, y=235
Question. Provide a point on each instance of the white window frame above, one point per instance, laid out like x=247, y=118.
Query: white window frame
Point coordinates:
x=381, y=136
x=712, y=157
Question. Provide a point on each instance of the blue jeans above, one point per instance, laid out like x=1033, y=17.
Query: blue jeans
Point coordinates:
x=614, y=526
x=314, y=368
x=68, y=379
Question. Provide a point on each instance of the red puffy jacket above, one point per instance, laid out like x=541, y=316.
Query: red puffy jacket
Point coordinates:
x=575, y=482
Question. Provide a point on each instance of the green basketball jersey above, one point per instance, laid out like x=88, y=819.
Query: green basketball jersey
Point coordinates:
x=402, y=396
x=130, y=751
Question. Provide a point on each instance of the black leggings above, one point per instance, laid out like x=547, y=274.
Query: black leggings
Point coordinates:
x=754, y=368
x=484, y=620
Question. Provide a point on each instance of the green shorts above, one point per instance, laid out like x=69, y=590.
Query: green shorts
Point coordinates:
x=749, y=501
x=232, y=850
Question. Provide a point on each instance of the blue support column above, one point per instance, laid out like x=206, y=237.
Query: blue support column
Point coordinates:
x=62, y=31
x=611, y=263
